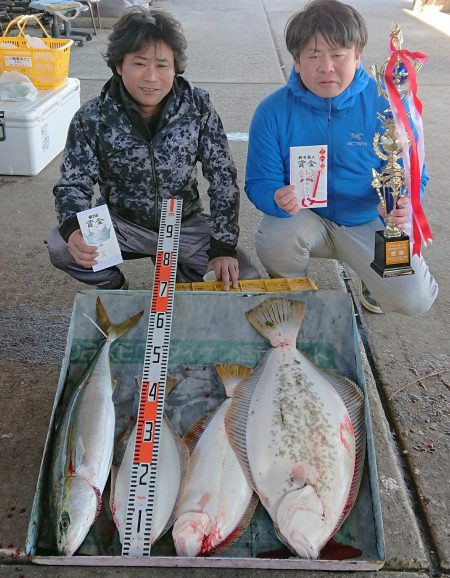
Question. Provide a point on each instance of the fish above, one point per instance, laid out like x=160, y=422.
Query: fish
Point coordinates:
x=83, y=443
x=299, y=433
x=217, y=502
x=173, y=463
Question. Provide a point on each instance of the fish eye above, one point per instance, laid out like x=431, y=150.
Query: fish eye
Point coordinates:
x=64, y=522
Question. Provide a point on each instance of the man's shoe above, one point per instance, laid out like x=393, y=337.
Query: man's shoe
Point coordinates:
x=367, y=301
x=125, y=284
x=122, y=286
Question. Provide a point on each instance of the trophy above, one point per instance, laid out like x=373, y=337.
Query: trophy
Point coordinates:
x=392, y=246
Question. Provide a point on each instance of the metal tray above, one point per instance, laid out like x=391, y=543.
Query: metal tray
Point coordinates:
x=209, y=328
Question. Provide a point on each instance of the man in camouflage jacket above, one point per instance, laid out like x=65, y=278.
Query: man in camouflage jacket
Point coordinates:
x=140, y=141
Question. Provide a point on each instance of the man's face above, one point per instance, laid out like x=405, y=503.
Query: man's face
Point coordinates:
x=324, y=70
x=148, y=76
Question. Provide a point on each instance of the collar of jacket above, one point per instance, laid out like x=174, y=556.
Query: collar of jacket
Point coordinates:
x=337, y=104
x=112, y=107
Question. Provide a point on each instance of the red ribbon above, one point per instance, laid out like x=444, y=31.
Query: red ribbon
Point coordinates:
x=420, y=227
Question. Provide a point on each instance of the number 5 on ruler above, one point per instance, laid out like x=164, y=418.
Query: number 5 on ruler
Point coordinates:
x=137, y=535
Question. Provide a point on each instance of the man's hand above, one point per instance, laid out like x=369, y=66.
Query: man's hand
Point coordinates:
x=84, y=254
x=399, y=215
x=286, y=199
x=226, y=269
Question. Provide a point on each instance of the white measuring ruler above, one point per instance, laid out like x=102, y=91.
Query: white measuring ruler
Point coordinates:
x=138, y=527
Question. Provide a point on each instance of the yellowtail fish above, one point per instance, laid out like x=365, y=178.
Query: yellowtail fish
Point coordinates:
x=299, y=433
x=217, y=502
x=83, y=445
x=173, y=463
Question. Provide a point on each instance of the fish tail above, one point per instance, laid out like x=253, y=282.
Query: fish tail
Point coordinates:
x=278, y=320
x=231, y=374
x=111, y=330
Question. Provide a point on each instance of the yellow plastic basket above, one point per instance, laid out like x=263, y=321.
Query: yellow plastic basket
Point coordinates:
x=46, y=67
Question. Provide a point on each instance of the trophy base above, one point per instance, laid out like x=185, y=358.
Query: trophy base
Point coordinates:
x=392, y=255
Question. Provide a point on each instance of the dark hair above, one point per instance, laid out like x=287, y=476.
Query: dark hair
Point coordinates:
x=139, y=27
x=340, y=24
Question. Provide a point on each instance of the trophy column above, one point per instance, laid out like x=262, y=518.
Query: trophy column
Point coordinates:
x=392, y=246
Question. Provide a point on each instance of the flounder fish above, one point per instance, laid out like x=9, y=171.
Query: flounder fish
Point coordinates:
x=83, y=444
x=217, y=502
x=299, y=433
x=173, y=463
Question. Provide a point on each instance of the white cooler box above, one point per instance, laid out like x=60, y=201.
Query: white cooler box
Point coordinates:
x=33, y=133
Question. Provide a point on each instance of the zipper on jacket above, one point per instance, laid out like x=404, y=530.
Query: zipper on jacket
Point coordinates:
x=330, y=140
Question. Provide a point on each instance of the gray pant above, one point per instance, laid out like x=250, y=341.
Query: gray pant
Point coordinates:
x=136, y=242
x=284, y=246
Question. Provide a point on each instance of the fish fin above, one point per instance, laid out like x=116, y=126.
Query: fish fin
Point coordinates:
x=358, y=422
x=355, y=485
x=102, y=316
x=237, y=416
x=184, y=457
x=231, y=374
x=79, y=453
x=117, y=458
x=171, y=382
x=350, y=393
x=194, y=433
x=240, y=528
x=353, y=398
x=112, y=486
x=121, y=445
x=99, y=502
x=114, y=331
x=278, y=320
x=117, y=331
x=68, y=405
x=69, y=465
x=183, y=450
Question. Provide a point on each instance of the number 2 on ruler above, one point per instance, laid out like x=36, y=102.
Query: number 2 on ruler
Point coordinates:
x=137, y=534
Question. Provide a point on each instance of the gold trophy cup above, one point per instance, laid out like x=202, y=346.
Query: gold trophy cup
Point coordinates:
x=392, y=247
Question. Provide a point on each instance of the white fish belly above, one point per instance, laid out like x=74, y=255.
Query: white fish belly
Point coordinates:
x=167, y=483
x=216, y=484
x=93, y=427
x=299, y=433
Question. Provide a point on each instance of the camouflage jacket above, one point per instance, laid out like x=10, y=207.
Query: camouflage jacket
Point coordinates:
x=133, y=174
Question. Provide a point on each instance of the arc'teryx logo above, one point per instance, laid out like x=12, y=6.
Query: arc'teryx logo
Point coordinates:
x=356, y=139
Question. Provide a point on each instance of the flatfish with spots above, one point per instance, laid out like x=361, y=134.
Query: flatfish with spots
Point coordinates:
x=298, y=431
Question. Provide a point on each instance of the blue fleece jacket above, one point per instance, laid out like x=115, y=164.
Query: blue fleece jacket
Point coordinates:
x=294, y=116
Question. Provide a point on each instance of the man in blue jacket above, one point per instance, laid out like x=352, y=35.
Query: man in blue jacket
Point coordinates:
x=330, y=100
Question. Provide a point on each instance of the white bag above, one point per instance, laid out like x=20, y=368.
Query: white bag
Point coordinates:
x=16, y=86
